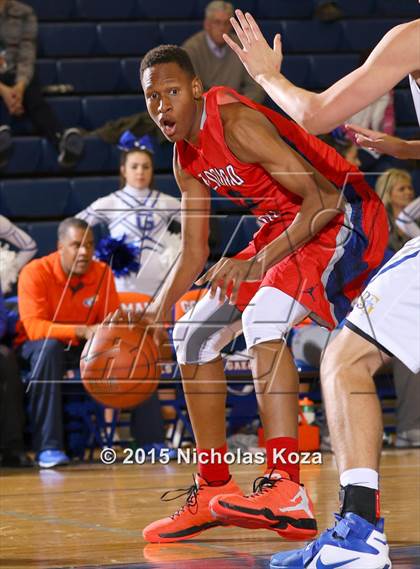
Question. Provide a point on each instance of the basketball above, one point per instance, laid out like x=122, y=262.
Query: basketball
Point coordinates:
x=119, y=365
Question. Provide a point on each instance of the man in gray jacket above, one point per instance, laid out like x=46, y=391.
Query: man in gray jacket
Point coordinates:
x=213, y=61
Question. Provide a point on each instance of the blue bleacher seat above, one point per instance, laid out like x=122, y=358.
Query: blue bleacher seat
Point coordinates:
x=232, y=233
x=84, y=191
x=99, y=109
x=284, y=9
x=398, y=8
x=97, y=157
x=20, y=126
x=270, y=29
x=69, y=39
x=91, y=75
x=128, y=38
x=130, y=71
x=26, y=157
x=46, y=70
x=163, y=156
x=416, y=181
x=244, y=5
x=67, y=109
x=166, y=9
x=352, y=9
x=404, y=107
x=327, y=69
x=177, y=32
x=45, y=235
x=35, y=198
x=297, y=68
x=106, y=9
x=365, y=34
x=52, y=10
x=311, y=36
x=166, y=183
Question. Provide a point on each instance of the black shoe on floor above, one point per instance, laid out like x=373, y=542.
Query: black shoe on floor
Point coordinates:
x=6, y=144
x=71, y=148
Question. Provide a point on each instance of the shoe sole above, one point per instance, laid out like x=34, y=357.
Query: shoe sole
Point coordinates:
x=290, y=528
x=175, y=536
x=49, y=465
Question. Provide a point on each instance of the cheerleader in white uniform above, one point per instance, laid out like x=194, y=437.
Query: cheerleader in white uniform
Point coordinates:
x=142, y=214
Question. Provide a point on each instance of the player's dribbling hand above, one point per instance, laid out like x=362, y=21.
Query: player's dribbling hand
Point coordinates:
x=228, y=272
x=148, y=319
x=256, y=55
x=375, y=140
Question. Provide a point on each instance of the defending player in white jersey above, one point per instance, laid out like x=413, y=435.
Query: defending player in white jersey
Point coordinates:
x=385, y=321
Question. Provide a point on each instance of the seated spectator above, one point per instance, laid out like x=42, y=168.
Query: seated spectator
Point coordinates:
x=20, y=91
x=12, y=453
x=395, y=188
x=213, y=61
x=62, y=297
x=26, y=250
x=141, y=213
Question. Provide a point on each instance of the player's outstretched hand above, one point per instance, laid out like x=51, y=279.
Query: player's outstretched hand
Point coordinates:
x=256, y=55
x=375, y=140
x=230, y=272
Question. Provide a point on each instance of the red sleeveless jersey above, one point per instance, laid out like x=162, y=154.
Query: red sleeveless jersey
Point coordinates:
x=335, y=264
x=248, y=184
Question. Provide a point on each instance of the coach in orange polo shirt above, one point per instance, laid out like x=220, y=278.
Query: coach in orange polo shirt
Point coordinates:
x=62, y=297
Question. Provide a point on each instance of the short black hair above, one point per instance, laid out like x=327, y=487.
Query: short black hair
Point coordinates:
x=71, y=222
x=168, y=54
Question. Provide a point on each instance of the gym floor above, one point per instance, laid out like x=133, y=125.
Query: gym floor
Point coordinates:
x=91, y=516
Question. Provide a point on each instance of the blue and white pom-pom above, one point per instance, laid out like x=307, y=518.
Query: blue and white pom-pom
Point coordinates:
x=121, y=256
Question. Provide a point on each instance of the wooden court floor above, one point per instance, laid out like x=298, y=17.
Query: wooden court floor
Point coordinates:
x=91, y=515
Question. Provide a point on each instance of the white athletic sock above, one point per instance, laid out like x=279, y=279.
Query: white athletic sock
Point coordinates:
x=360, y=477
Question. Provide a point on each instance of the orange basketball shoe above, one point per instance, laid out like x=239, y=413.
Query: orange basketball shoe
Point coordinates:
x=276, y=503
x=192, y=518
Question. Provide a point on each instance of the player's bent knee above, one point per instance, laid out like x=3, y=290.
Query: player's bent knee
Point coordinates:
x=192, y=344
x=345, y=356
x=258, y=330
x=270, y=315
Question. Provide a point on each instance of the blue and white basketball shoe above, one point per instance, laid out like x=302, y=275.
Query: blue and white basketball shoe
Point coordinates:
x=353, y=543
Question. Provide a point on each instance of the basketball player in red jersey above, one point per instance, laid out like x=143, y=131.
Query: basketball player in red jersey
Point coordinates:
x=325, y=230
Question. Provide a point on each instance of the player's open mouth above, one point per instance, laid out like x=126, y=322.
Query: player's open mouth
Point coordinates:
x=168, y=127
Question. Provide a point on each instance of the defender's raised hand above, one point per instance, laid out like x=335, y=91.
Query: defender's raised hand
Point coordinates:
x=256, y=55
